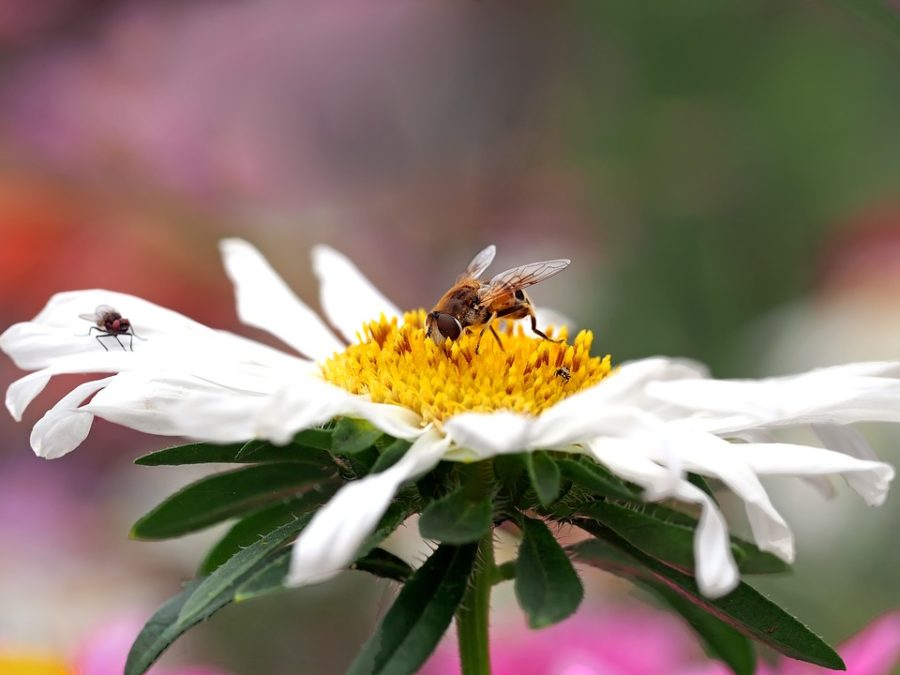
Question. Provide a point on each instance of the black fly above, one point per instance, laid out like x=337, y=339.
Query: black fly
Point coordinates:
x=109, y=323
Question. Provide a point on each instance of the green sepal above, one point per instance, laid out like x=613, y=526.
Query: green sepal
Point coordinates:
x=744, y=609
x=390, y=455
x=699, y=481
x=544, y=475
x=254, y=525
x=397, y=512
x=457, y=518
x=351, y=436
x=433, y=484
x=221, y=496
x=163, y=628
x=230, y=574
x=383, y=564
x=547, y=586
x=307, y=448
x=420, y=615
x=595, y=479
x=512, y=476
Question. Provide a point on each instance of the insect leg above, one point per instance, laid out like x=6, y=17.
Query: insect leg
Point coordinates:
x=130, y=341
x=539, y=332
x=487, y=325
x=97, y=338
x=136, y=335
x=119, y=341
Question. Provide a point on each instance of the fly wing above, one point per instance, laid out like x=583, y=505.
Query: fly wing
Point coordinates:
x=481, y=262
x=89, y=317
x=523, y=276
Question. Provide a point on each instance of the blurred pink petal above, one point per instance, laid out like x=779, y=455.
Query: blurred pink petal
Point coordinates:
x=875, y=650
x=105, y=650
x=634, y=641
x=625, y=641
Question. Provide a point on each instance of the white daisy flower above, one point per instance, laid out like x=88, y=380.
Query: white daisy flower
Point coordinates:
x=650, y=421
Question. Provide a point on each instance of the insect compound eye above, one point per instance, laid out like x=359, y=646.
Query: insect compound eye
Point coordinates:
x=448, y=325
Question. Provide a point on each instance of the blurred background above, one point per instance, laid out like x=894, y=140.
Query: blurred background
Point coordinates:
x=724, y=174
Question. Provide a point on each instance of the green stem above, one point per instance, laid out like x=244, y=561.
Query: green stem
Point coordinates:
x=472, y=617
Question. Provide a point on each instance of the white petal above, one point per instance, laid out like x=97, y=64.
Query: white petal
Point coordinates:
x=65, y=426
x=348, y=299
x=625, y=387
x=23, y=391
x=870, y=479
x=490, y=434
x=711, y=456
x=839, y=395
x=58, y=330
x=169, y=404
x=311, y=401
x=331, y=540
x=264, y=300
x=845, y=439
x=716, y=572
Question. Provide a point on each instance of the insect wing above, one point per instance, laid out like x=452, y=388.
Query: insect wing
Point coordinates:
x=481, y=262
x=523, y=277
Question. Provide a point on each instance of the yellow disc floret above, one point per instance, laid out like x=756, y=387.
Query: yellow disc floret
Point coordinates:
x=396, y=363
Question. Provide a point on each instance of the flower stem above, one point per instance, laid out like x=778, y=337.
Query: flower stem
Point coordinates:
x=472, y=617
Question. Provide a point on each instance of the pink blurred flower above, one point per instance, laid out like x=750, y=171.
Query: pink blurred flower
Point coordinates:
x=631, y=641
x=105, y=650
x=624, y=641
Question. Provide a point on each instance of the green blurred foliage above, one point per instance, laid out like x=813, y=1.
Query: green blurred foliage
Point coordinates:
x=720, y=141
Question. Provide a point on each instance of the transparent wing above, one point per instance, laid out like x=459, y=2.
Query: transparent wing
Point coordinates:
x=530, y=274
x=99, y=313
x=481, y=262
x=524, y=276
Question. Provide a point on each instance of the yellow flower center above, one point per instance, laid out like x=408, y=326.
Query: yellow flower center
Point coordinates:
x=396, y=363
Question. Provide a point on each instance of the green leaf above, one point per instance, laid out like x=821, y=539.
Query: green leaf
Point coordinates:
x=456, y=518
x=383, y=564
x=270, y=577
x=267, y=579
x=351, y=436
x=670, y=543
x=544, y=475
x=225, y=495
x=230, y=574
x=256, y=524
x=547, y=586
x=699, y=481
x=668, y=536
x=390, y=455
x=163, y=629
x=721, y=640
x=744, y=609
x=250, y=452
x=595, y=479
x=417, y=620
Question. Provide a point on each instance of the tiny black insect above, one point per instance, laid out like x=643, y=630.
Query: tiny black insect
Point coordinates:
x=109, y=323
x=564, y=373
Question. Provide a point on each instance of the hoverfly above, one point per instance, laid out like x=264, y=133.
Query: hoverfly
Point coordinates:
x=109, y=323
x=471, y=302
